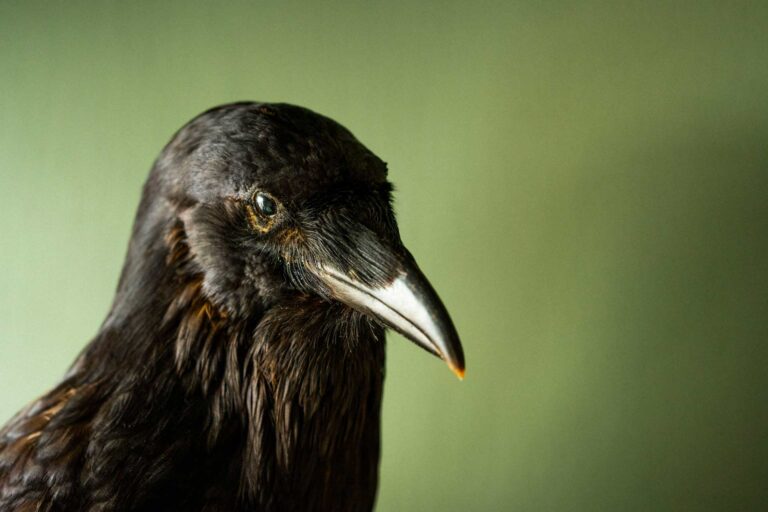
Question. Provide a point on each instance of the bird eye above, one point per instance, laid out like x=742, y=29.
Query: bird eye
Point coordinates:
x=266, y=204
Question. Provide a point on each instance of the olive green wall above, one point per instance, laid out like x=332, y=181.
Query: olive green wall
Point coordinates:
x=584, y=184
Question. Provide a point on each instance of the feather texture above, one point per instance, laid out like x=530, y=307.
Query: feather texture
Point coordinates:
x=275, y=412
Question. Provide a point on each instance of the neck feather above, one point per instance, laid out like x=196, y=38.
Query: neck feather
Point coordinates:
x=293, y=391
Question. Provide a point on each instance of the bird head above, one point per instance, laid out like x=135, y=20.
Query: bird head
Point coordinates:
x=277, y=200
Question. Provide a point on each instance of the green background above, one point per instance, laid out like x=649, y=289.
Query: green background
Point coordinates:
x=585, y=184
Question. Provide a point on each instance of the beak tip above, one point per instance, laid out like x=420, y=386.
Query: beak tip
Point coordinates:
x=458, y=371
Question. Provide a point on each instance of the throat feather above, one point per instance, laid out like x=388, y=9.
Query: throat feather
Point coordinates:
x=299, y=383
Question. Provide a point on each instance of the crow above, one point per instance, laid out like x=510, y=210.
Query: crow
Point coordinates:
x=241, y=365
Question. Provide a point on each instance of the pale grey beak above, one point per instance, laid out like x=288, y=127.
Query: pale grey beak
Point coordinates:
x=408, y=304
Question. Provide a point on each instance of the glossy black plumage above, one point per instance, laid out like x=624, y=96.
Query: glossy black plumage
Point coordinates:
x=227, y=376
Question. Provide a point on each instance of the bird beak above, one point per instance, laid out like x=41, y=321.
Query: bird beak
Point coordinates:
x=408, y=304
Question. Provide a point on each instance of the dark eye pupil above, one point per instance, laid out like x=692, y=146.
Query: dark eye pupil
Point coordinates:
x=266, y=204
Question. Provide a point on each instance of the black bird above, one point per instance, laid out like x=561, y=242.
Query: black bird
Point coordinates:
x=241, y=364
